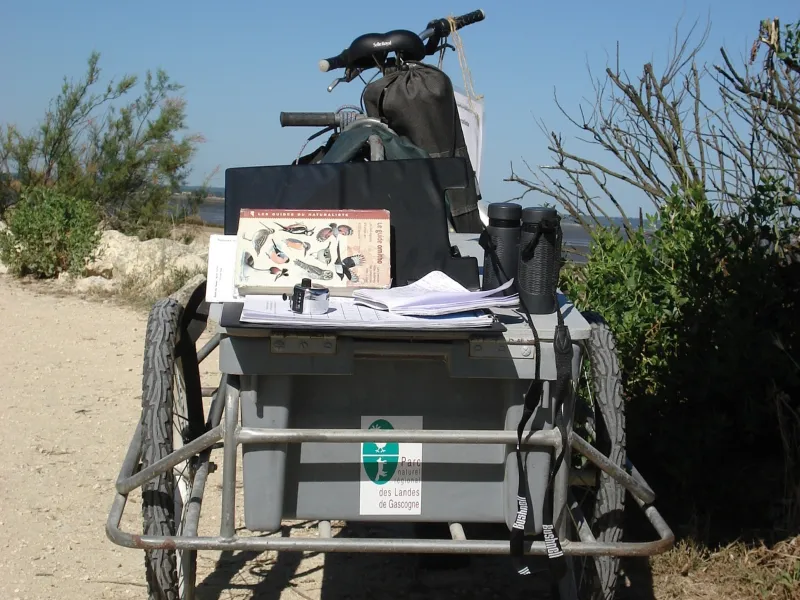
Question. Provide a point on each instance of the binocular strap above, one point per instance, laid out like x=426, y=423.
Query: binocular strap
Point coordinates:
x=562, y=344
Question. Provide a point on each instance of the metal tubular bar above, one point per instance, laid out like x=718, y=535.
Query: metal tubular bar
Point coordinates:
x=218, y=403
x=183, y=453
x=196, y=497
x=638, y=476
x=632, y=485
x=391, y=546
x=208, y=348
x=227, y=528
x=584, y=531
x=131, y=461
x=208, y=392
x=656, y=520
x=251, y=435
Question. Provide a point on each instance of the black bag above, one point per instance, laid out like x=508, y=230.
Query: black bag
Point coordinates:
x=418, y=103
x=411, y=190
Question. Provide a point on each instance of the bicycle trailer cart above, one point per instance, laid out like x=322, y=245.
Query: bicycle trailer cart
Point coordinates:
x=371, y=425
x=319, y=414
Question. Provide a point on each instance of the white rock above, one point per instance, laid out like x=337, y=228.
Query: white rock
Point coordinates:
x=94, y=284
x=125, y=257
x=190, y=262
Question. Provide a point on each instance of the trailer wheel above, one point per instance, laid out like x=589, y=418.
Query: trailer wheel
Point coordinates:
x=172, y=415
x=604, y=504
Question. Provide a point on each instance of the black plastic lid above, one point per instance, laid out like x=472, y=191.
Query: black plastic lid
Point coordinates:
x=505, y=211
x=536, y=214
x=306, y=282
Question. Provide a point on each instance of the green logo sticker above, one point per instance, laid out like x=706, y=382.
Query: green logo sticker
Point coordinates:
x=380, y=458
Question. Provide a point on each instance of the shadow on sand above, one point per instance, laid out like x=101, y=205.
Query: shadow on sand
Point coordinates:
x=391, y=576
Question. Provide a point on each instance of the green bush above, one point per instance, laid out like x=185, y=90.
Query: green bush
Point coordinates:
x=49, y=233
x=705, y=312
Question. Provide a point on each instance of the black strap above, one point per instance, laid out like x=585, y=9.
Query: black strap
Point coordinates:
x=562, y=344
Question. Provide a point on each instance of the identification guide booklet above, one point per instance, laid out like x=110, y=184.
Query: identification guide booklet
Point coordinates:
x=342, y=250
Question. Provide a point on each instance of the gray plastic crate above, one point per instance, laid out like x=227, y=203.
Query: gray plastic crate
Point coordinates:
x=462, y=482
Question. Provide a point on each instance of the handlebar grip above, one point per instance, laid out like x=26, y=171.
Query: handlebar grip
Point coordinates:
x=335, y=62
x=468, y=19
x=309, y=119
x=441, y=27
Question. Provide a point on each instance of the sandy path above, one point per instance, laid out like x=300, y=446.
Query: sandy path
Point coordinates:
x=70, y=375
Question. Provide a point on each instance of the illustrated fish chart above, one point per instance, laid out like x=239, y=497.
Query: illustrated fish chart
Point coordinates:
x=340, y=249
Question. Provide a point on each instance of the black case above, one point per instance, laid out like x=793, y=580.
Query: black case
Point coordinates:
x=412, y=190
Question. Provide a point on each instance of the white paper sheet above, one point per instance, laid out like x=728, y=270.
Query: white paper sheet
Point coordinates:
x=434, y=294
x=270, y=309
x=221, y=266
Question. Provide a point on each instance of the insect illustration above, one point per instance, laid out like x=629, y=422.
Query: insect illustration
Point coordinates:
x=343, y=266
x=297, y=229
x=277, y=255
x=298, y=245
x=314, y=271
x=333, y=230
x=324, y=255
x=260, y=238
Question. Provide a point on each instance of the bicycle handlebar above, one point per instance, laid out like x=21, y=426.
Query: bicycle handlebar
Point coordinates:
x=438, y=28
x=311, y=119
x=441, y=27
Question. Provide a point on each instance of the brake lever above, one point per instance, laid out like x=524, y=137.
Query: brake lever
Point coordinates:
x=336, y=82
x=349, y=75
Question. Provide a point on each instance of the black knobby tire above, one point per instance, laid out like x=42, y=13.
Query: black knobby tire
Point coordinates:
x=604, y=509
x=169, y=360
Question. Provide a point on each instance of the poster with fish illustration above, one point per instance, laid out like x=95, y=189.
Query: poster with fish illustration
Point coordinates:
x=340, y=249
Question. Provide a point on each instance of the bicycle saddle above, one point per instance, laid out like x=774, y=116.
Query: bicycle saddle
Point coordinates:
x=404, y=43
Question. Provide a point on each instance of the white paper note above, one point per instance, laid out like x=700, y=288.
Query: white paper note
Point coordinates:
x=221, y=266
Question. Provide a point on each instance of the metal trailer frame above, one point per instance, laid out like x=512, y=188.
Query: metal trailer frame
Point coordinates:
x=223, y=426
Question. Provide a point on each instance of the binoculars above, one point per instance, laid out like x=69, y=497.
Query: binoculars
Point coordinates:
x=524, y=244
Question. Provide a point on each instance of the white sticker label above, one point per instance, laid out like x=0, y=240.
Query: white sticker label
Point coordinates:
x=391, y=472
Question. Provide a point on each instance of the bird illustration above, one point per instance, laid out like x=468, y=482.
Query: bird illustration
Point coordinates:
x=298, y=245
x=333, y=230
x=249, y=261
x=278, y=272
x=343, y=266
x=314, y=271
x=277, y=255
x=324, y=255
x=325, y=233
x=297, y=229
x=260, y=238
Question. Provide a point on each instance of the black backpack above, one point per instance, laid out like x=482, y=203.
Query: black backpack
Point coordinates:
x=419, y=104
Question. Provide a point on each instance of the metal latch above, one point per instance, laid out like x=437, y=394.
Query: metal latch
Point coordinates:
x=303, y=344
x=499, y=348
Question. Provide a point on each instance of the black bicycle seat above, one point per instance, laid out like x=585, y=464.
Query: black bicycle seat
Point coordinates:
x=404, y=43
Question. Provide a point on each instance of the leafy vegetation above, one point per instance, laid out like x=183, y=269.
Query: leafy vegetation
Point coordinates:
x=49, y=233
x=704, y=306
x=127, y=159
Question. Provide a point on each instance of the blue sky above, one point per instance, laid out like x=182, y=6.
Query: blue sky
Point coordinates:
x=241, y=63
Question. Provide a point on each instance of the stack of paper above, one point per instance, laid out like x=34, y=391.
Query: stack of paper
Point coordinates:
x=434, y=294
x=345, y=313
